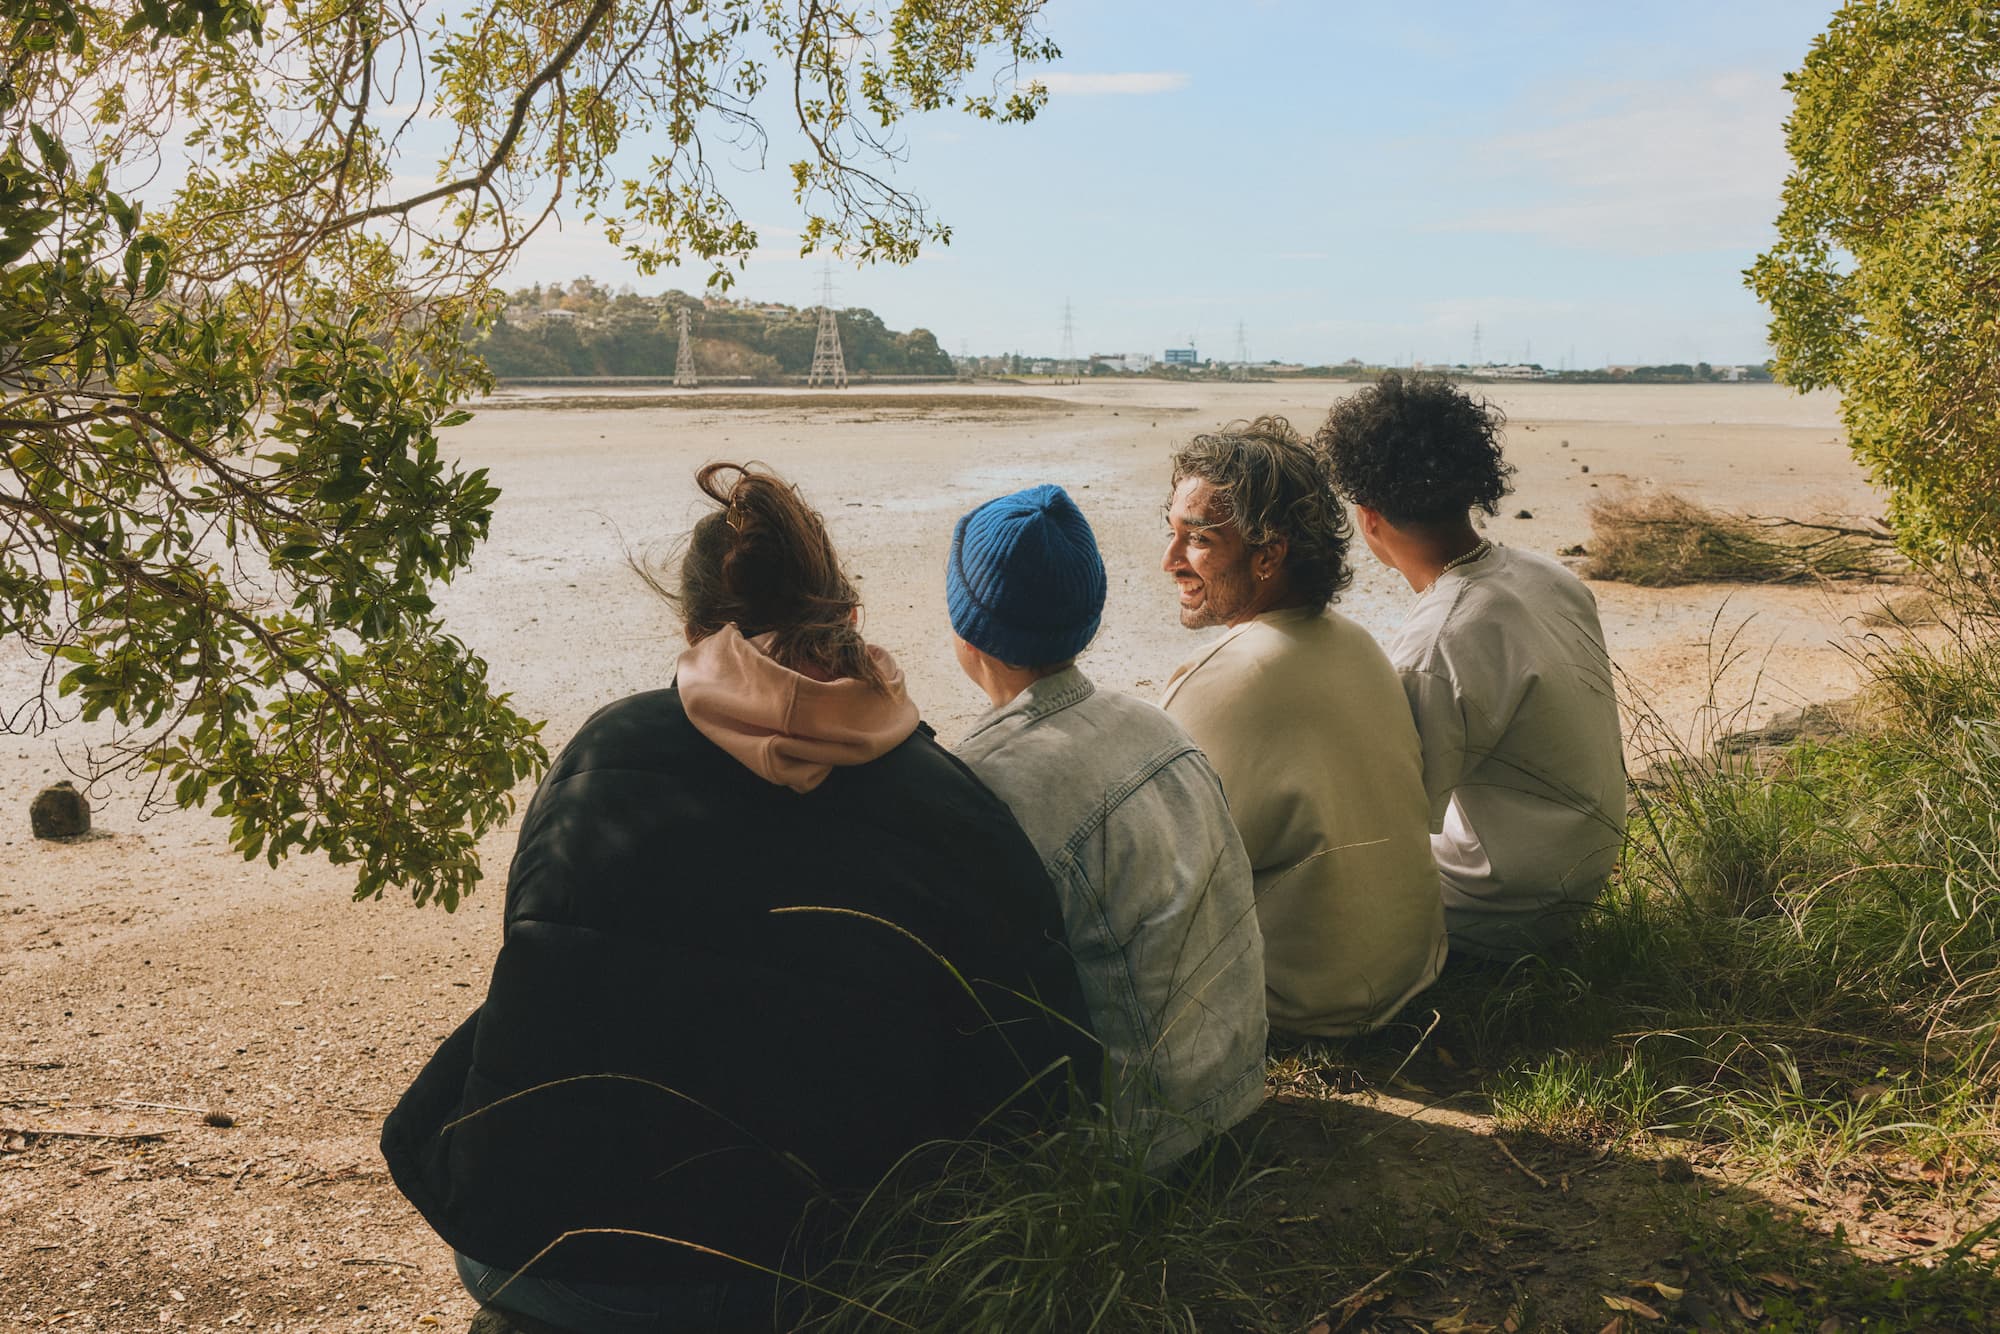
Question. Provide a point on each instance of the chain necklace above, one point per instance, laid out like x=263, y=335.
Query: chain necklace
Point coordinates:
x=1480, y=552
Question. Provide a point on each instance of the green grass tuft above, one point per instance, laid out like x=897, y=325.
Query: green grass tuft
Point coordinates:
x=1578, y=1100
x=1062, y=1232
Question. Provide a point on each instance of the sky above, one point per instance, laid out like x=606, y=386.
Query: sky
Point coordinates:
x=1583, y=184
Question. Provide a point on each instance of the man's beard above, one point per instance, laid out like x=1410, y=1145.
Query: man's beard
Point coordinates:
x=1223, y=599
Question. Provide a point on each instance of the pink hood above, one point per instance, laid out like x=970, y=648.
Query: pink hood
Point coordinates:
x=784, y=726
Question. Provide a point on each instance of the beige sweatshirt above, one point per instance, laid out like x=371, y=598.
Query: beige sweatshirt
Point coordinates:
x=1305, y=720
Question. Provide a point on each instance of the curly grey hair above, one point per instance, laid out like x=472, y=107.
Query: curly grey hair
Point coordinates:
x=1276, y=484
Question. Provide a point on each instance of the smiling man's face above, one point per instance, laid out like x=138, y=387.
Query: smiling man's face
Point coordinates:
x=1208, y=558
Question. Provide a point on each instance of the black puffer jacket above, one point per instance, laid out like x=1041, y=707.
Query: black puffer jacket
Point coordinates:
x=708, y=959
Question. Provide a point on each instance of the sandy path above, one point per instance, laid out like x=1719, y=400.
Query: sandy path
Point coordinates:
x=147, y=965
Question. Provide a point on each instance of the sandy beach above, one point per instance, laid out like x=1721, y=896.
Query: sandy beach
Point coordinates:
x=152, y=975
x=585, y=488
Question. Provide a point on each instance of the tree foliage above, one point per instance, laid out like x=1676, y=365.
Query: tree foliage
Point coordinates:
x=626, y=334
x=1885, y=280
x=223, y=503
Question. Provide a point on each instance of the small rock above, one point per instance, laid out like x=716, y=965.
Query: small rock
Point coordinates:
x=1524, y=514
x=1577, y=550
x=59, y=812
x=1586, y=467
x=1565, y=444
x=1673, y=1167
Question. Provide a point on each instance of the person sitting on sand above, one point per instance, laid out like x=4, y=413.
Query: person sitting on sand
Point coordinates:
x=1130, y=822
x=763, y=936
x=1504, y=664
x=1303, y=718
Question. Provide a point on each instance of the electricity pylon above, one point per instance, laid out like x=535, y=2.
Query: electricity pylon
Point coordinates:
x=829, y=365
x=684, y=376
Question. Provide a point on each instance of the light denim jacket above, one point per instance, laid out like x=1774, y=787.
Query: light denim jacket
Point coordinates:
x=1155, y=887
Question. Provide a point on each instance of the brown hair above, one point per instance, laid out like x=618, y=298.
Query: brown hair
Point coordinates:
x=763, y=563
x=1277, y=484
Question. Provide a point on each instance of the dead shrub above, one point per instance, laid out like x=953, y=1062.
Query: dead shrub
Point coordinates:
x=1657, y=539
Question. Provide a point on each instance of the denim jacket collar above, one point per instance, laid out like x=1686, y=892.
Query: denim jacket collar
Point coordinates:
x=1051, y=694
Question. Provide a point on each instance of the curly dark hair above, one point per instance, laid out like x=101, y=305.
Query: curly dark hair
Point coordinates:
x=1419, y=450
x=1277, y=485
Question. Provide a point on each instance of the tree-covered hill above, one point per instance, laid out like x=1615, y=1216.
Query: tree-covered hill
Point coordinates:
x=585, y=329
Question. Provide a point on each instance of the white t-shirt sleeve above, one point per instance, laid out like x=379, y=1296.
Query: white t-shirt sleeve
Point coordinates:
x=1440, y=718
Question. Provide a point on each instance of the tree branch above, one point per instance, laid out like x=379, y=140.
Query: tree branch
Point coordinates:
x=501, y=151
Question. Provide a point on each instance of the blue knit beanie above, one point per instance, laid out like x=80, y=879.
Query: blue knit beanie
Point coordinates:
x=1024, y=581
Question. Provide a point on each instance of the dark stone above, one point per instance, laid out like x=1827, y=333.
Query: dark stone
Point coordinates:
x=1577, y=550
x=1586, y=467
x=59, y=812
x=1524, y=514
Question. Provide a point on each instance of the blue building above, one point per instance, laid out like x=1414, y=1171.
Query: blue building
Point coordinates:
x=1181, y=356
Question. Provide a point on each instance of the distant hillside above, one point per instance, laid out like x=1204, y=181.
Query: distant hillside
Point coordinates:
x=586, y=329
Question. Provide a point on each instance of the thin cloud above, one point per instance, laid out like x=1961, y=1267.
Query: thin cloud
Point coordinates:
x=1112, y=85
x=1651, y=167
x=1463, y=312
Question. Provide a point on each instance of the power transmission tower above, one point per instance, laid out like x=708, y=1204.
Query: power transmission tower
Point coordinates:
x=828, y=363
x=1066, y=364
x=1242, y=345
x=684, y=377
x=1477, y=360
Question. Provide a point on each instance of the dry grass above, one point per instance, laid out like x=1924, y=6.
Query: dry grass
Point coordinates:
x=1657, y=539
x=1907, y=611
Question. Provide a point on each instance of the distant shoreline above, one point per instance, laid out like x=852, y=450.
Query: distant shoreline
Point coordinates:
x=943, y=383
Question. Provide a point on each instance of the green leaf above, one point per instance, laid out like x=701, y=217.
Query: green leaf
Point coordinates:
x=54, y=155
x=340, y=490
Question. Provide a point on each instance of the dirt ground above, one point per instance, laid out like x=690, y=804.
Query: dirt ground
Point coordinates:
x=152, y=979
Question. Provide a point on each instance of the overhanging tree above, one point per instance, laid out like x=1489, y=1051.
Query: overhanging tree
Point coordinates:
x=1885, y=280
x=223, y=507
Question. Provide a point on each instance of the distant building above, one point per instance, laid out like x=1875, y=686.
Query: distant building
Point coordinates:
x=1128, y=363
x=1181, y=356
x=1732, y=374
